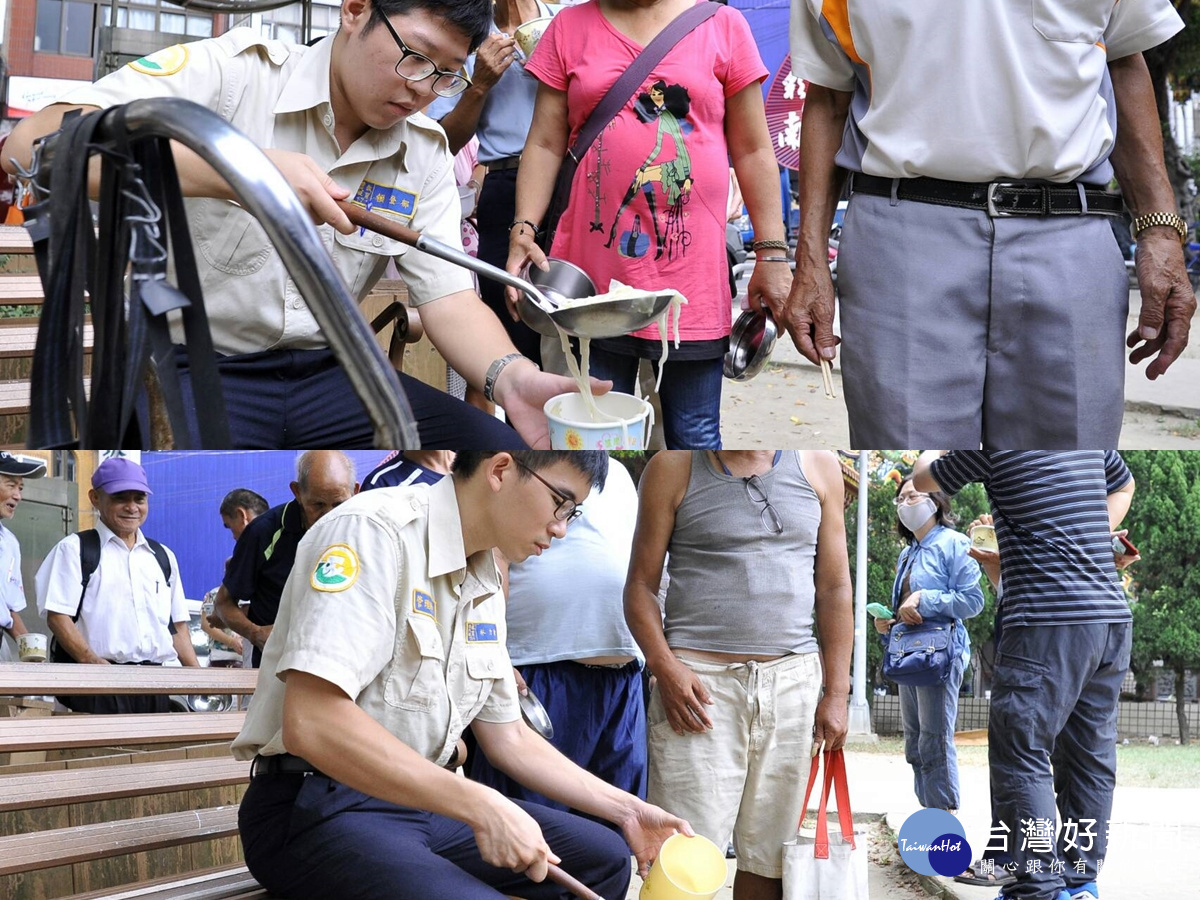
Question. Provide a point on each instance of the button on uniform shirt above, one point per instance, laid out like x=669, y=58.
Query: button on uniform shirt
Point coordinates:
x=278, y=95
x=976, y=91
x=12, y=592
x=384, y=603
x=1052, y=526
x=127, y=607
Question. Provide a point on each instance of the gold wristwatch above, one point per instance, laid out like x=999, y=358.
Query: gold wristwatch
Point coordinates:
x=1170, y=219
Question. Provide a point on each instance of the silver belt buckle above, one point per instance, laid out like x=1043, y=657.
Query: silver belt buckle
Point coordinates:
x=991, y=200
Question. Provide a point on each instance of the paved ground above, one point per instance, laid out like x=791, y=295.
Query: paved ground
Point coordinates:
x=785, y=405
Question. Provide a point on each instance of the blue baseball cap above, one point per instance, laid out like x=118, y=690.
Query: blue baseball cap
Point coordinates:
x=20, y=466
x=119, y=474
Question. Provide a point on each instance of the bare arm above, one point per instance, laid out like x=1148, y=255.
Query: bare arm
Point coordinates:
x=69, y=637
x=923, y=479
x=1118, y=504
x=1168, y=301
x=182, y=641
x=757, y=172
x=492, y=59
x=808, y=315
x=18, y=627
x=833, y=606
x=226, y=609
x=233, y=642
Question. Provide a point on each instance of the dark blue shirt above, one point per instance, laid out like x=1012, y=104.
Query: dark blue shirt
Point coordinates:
x=1051, y=514
x=263, y=559
x=396, y=471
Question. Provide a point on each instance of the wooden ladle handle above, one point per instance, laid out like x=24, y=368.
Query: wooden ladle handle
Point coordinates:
x=378, y=224
x=578, y=888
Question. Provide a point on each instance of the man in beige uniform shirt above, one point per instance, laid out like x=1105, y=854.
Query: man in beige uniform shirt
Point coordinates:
x=342, y=120
x=390, y=640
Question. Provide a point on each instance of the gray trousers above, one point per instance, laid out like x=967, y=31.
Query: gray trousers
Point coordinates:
x=1054, y=702
x=962, y=331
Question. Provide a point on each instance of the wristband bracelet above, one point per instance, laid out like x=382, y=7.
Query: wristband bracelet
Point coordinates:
x=515, y=222
x=493, y=373
x=769, y=245
x=773, y=259
x=1169, y=219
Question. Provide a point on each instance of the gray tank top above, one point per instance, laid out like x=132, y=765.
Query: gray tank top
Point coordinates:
x=735, y=587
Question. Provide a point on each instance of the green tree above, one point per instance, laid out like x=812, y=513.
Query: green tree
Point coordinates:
x=1164, y=522
x=1175, y=68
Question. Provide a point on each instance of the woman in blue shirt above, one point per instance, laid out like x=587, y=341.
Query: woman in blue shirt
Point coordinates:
x=935, y=581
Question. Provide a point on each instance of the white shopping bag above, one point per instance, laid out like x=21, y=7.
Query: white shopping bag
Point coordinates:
x=825, y=866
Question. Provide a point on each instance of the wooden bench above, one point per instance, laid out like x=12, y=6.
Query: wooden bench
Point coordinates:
x=120, y=806
x=21, y=287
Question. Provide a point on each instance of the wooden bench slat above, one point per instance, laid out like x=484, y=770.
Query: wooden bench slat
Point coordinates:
x=14, y=396
x=15, y=239
x=18, y=341
x=20, y=290
x=115, y=731
x=45, y=849
x=41, y=789
x=225, y=883
x=23, y=679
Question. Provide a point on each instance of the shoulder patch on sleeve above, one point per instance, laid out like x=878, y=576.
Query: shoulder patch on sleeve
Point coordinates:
x=163, y=62
x=336, y=570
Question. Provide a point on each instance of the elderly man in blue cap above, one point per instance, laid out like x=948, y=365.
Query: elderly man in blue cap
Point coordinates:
x=14, y=469
x=131, y=610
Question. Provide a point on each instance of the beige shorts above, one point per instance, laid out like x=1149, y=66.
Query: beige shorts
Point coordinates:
x=746, y=776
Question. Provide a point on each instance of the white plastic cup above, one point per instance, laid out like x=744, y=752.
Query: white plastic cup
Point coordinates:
x=571, y=428
x=983, y=537
x=32, y=647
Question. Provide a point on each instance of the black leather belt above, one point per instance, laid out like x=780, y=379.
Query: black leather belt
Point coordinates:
x=503, y=165
x=999, y=199
x=282, y=764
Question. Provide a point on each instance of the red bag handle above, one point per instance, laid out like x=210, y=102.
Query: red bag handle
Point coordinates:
x=835, y=776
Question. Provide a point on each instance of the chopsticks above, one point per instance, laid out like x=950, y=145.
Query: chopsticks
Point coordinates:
x=827, y=379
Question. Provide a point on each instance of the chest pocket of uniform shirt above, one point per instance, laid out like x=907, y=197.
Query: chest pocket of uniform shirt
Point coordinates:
x=417, y=679
x=369, y=242
x=228, y=237
x=485, y=664
x=1072, y=21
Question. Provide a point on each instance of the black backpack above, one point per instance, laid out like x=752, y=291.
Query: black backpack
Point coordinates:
x=89, y=561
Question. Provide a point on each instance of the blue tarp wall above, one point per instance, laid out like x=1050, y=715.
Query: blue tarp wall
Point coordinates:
x=769, y=21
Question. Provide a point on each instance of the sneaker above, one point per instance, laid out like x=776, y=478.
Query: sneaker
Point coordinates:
x=1087, y=891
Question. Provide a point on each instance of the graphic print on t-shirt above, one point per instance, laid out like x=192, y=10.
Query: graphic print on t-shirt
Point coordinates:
x=665, y=107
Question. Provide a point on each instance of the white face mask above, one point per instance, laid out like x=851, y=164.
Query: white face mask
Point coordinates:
x=915, y=515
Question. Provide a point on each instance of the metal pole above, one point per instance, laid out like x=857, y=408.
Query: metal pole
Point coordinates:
x=860, y=713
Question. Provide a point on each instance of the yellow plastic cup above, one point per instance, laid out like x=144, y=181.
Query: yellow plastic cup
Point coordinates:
x=686, y=868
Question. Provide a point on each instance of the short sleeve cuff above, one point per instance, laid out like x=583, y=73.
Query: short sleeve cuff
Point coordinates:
x=816, y=71
x=321, y=666
x=426, y=290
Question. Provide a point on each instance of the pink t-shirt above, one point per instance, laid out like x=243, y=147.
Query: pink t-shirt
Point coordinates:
x=648, y=201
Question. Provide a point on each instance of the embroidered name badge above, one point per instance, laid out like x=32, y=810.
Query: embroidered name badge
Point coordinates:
x=424, y=604
x=336, y=570
x=393, y=202
x=482, y=633
x=162, y=62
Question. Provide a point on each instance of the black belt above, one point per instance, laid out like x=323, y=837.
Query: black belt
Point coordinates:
x=999, y=199
x=282, y=764
x=503, y=165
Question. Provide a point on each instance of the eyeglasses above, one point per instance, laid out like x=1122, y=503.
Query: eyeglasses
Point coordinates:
x=910, y=499
x=414, y=66
x=756, y=492
x=565, y=510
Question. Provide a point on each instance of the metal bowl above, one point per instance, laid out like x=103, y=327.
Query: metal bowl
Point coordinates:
x=750, y=344
x=535, y=714
x=607, y=320
x=562, y=281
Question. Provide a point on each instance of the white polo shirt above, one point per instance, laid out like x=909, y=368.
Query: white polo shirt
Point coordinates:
x=384, y=603
x=278, y=95
x=12, y=592
x=976, y=90
x=127, y=605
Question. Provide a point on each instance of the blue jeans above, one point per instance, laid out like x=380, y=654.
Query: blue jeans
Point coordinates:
x=928, y=714
x=690, y=393
x=1054, y=702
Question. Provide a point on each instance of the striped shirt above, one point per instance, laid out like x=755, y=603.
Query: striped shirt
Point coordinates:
x=1051, y=515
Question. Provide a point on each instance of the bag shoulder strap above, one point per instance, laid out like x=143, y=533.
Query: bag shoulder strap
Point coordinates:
x=89, y=561
x=652, y=54
x=160, y=554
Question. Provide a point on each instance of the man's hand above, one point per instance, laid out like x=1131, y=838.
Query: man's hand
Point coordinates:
x=522, y=687
x=769, y=286
x=908, y=613
x=832, y=723
x=989, y=560
x=261, y=633
x=523, y=391
x=684, y=698
x=492, y=60
x=510, y=838
x=315, y=188
x=646, y=828
x=807, y=314
x=1168, y=302
x=1125, y=560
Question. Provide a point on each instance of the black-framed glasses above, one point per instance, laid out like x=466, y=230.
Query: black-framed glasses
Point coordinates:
x=565, y=509
x=414, y=66
x=758, y=493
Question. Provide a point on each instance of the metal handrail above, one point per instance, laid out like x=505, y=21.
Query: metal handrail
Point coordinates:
x=263, y=191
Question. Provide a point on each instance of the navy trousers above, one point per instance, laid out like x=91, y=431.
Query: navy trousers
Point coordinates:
x=307, y=837
x=1054, y=701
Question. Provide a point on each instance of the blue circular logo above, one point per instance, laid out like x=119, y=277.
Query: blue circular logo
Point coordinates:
x=932, y=842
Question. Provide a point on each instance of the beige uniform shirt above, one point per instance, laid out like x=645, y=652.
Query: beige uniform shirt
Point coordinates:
x=383, y=603
x=278, y=95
